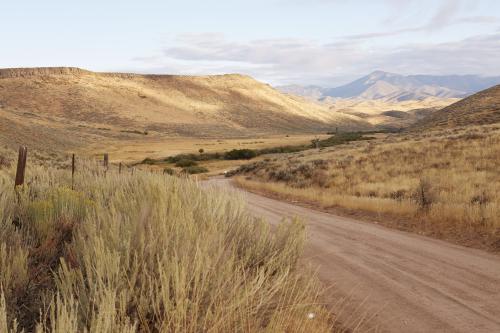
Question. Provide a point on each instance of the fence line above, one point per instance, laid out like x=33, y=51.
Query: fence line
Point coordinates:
x=21, y=166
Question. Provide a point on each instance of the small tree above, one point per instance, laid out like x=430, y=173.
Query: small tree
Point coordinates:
x=201, y=150
x=315, y=143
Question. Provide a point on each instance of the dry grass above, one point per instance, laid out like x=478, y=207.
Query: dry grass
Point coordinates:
x=153, y=147
x=145, y=252
x=444, y=184
x=481, y=108
x=46, y=107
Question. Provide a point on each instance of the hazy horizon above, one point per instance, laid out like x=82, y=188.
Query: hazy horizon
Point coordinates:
x=319, y=42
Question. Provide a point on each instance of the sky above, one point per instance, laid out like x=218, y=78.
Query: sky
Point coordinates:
x=320, y=42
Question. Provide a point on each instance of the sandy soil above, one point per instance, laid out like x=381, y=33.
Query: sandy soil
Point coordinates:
x=406, y=282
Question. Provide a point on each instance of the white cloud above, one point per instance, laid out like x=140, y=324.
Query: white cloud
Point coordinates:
x=281, y=61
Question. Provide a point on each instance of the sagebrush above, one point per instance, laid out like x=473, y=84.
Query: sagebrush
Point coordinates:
x=142, y=252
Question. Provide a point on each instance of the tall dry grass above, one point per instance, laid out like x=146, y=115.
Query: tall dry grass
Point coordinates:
x=145, y=253
x=442, y=183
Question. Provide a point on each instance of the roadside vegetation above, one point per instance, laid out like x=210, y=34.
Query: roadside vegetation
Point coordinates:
x=187, y=162
x=444, y=184
x=144, y=252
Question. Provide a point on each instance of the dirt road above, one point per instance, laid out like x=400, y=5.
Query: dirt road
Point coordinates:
x=411, y=283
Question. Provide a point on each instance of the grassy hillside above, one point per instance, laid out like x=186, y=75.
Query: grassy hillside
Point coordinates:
x=70, y=107
x=384, y=114
x=144, y=252
x=479, y=109
x=444, y=183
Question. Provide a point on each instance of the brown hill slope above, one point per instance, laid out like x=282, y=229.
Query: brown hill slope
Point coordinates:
x=69, y=105
x=479, y=109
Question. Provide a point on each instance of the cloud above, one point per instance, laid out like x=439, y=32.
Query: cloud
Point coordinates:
x=445, y=16
x=283, y=61
x=476, y=55
x=478, y=19
x=429, y=27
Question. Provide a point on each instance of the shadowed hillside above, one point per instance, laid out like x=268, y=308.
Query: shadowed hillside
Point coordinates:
x=69, y=105
x=479, y=109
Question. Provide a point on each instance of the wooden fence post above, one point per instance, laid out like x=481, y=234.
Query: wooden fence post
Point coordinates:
x=73, y=172
x=106, y=161
x=21, y=166
x=120, y=168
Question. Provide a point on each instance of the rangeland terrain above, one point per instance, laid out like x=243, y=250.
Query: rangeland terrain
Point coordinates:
x=144, y=252
x=442, y=182
x=479, y=109
x=390, y=114
x=58, y=237
x=387, y=280
x=70, y=108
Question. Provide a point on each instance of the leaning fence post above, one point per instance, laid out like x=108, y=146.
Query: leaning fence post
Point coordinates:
x=106, y=162
x=21, y=166
x=73, y=172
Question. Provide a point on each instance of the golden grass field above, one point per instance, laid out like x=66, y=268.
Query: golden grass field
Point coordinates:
x=133, y=151
x=144, y=252
x=444, y=183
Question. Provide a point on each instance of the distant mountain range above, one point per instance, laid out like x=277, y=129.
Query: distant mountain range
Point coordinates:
x=397, y=88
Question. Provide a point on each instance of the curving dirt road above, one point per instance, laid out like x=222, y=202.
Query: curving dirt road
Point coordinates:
x=406, y=282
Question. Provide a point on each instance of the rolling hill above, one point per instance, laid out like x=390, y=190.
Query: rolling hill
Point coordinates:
x=479, y=109
x=390, y=115
x=70, y=106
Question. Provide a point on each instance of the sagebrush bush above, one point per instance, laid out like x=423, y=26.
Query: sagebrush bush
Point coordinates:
x=168, y=171
x=195, y=169
x=145, y=253
x=184, y=163
x=240, y=154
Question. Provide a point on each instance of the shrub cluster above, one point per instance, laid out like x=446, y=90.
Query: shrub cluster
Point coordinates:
x=184, y=163
x=145, y=253
x=194, y=169
x=240, y=154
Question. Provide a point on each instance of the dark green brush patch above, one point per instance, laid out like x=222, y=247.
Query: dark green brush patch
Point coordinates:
x=184, y=163
x=135, y=132
x=240, y=154
x=195, y=169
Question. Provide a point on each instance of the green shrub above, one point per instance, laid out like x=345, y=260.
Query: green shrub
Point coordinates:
x=148, y=161
x=194, y=169
x=185, y=163
x=193, y=157
x=342, y=138
x=282, y=149
x=169, y=171
x=240, y=154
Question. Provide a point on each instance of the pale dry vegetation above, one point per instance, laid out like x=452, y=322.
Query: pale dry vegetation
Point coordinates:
x=144, y=252
x=444, y=183
x=44, y=107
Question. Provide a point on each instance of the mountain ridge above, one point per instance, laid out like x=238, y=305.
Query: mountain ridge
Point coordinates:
x=395, y=87
x=482, y=108
x=65, y=105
